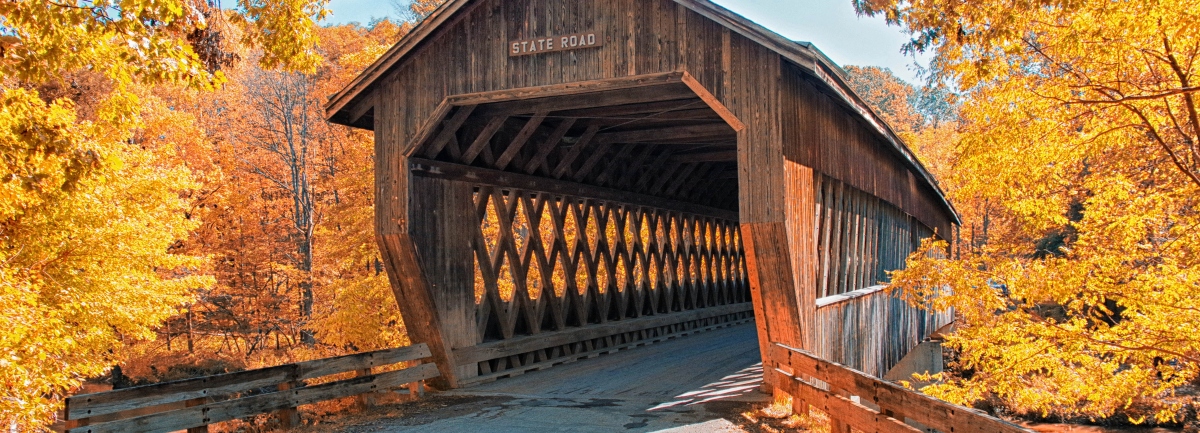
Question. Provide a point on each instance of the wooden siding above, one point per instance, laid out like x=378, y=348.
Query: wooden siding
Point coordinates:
x=827, y=136
x=859, y=237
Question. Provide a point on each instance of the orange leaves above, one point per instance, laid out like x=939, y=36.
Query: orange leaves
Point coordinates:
x=886, y=93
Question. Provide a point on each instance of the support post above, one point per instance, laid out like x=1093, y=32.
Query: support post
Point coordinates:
x=193, y=403
x=406, y=272
x=289, y=418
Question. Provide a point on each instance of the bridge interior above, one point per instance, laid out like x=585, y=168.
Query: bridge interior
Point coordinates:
x=661, y=140
x=593, y=218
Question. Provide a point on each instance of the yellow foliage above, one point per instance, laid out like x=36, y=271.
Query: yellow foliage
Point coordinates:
x=87, y=222
x=94, y=193
x=1077, y=167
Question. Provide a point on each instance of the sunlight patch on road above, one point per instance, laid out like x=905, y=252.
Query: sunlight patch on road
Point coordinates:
x=734, y=385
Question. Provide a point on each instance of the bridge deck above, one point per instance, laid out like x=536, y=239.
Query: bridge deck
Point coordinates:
x=689, y=384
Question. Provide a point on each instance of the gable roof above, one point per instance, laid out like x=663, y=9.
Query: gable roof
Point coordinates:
x=802, y=54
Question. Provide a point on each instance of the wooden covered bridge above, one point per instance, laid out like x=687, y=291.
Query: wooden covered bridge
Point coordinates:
x=556, y=179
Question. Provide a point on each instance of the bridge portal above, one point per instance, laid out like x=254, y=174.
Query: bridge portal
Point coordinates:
x=558, y=179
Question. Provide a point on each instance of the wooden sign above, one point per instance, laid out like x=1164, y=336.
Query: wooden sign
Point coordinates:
x=551, y=44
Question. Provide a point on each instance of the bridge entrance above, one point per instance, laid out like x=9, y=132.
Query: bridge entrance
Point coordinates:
x=561, y=222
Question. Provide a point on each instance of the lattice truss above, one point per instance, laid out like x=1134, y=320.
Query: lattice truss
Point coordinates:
x=547, y=262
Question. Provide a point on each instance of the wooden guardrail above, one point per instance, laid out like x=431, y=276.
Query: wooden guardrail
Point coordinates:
x=855, y=399
x=195, y=403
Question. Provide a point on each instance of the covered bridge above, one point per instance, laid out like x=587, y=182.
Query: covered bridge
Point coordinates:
x=558, y=178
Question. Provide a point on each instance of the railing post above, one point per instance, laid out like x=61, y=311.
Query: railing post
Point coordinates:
x=288, y=417
x=368, y=399
x=193, y=403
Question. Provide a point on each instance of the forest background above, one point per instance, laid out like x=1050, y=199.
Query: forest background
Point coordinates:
x=173, y=204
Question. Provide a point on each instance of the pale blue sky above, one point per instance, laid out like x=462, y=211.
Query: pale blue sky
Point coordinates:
x=831, y=25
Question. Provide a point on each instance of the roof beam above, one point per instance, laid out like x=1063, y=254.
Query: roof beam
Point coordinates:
x=448, y=130
x=666, y=176
x=597, y=154
x=572, y=154
x=671, y=106
x=613, y=164
x=632, y=169
x=666, y=92
x=674, y=133
x=655, y=167
x=719, y=156
x=449, y=170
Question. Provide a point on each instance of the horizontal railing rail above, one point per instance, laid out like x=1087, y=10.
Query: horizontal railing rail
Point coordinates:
x=198, y=402
x=853, y=399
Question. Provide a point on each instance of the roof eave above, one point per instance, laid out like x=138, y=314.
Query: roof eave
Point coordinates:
x=409, y=42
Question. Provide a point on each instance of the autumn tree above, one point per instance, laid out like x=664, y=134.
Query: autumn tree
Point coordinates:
x=414, y=11
x=355, y=308
x=259, y=228
x=90, y=204
x=924, y=117
x=890, y=96
x=1077, y=170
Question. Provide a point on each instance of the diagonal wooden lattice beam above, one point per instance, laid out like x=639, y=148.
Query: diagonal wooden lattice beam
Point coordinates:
x=636, y=165
x=598, y=154
x=614, y=163
x=484, y=139
x=664, y=177
x=449, y=129
x=520, y=140
x=584, y=141
x=677, y=179
x=539, y=159
x=699, y=177
x=653, y=169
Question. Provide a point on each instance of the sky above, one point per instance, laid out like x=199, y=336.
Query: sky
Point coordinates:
x=831, y=25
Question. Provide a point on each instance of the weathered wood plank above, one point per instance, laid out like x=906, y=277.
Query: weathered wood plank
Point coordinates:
x=415, y=298
x=518, y=345
x=248, y=406
x=921, y=408
x=91, y=405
